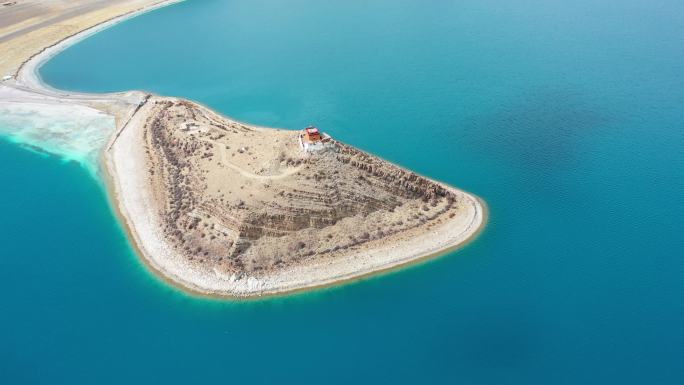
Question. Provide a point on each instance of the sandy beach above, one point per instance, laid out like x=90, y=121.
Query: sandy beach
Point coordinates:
x=36, y=38
x=30, y=26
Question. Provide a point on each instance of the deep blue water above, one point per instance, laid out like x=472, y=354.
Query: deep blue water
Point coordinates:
x=565, y=116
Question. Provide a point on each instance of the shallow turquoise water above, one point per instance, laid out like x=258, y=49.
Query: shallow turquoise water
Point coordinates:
x=565, y=116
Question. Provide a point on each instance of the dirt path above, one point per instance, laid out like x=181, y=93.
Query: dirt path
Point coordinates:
x=247, y=174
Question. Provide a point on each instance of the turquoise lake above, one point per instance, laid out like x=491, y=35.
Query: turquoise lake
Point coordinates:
x=567, y=117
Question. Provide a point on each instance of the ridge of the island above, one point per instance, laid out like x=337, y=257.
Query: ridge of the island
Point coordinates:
x=223, y=208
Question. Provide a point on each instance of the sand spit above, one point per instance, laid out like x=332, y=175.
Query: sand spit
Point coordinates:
x=34, y=32
x=226, y=209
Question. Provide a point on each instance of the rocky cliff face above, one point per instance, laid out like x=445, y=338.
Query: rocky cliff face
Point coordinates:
x=245, y=200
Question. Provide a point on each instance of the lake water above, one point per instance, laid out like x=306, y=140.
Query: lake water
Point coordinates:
x=565, y=116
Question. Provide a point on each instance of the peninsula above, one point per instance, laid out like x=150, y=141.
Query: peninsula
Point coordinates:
x=224, y=208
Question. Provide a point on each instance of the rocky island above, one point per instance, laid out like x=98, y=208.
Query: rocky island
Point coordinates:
x=225, y=208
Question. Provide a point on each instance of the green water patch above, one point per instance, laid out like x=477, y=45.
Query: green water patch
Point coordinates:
x=71, y=132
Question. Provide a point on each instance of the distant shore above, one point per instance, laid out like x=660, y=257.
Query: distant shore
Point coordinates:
x=124, y=175
x=41, y=43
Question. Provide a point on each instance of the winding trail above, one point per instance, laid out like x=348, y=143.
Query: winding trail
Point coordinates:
x=247, y=174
